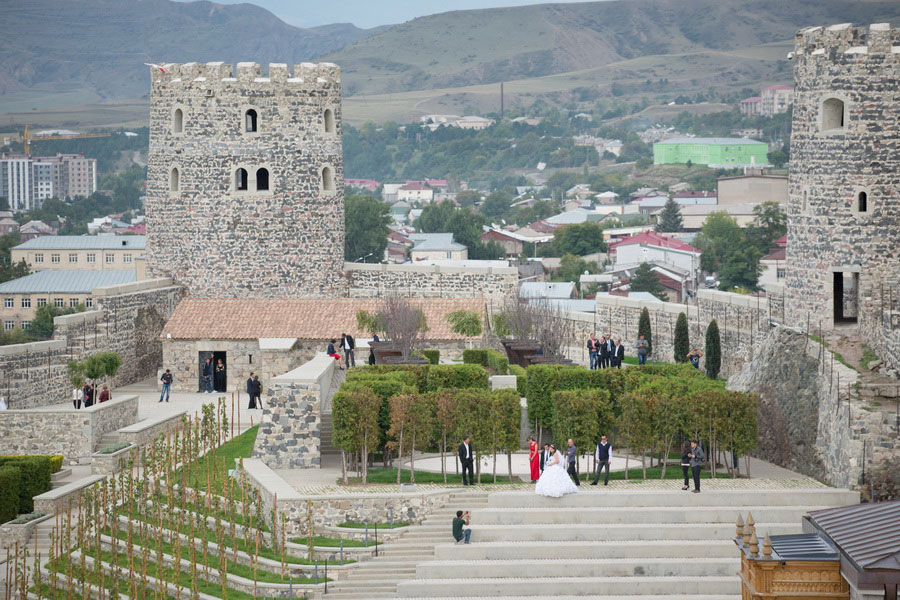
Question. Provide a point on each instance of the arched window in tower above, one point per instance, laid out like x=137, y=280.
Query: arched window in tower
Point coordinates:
x=327, y=179
x=328, y=118
x=240, y=180
x=174, y=180
x=833, y=116
x=178, y=121
x=862, y=202
x=250, y=121
x=262, y=179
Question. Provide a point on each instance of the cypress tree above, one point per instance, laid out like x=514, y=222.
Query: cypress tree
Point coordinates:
x=682, y=339
x=713, y=350
x=644, y=329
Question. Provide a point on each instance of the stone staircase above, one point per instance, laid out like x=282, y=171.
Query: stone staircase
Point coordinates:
x=378, y=577
x=326, y=429
x=109, y=438
x=607, y=544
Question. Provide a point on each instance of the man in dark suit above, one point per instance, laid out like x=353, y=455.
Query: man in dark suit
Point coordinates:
x=602, y=460
x=467, y=460
x=545, y=456
x=604, y=352
x=250, y=390
x=618, y=354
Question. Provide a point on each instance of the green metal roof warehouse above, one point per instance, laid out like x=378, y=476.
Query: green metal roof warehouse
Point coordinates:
x=714, y=152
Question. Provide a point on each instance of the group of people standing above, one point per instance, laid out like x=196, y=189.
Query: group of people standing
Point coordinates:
x=88, y=395
x=605, y=352
x=348, y=347
x=213, y=377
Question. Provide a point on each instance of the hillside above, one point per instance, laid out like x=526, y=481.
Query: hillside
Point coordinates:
x=466, y=48
x=78, y=51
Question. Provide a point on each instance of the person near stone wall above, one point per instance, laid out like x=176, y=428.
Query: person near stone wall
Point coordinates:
x=348, y=345
x=104, y=393
x=256, y=394
x=642, y=346
x=88, y=395
x=77, y=397
x=618, y=355
x=251, y=388
x=610, y=348
x=166, y=385
x=694, y=357
x=206, y=375
x=603, y=352
x=333, y=353
x=593, y=347
x=219, y=376
x=372, y=350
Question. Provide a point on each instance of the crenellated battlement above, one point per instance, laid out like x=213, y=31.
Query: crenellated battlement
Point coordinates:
x=310, y=75
x=837, y=42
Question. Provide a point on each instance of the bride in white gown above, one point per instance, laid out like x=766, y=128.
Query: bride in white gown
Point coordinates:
x=554, y=481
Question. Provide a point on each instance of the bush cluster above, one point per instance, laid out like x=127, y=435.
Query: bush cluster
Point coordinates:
x=521, y=379
x=487, y=358
x=433, y=356
x=33, y=479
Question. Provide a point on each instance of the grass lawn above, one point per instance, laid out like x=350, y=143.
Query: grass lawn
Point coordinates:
x=383, y=476
x=333, y=542
x=355, y=525
x=672, y=472
x=239, y=447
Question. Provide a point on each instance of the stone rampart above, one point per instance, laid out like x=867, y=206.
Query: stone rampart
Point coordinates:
x=128, y=319
x=73, y=433
x=811, y=418
x=290, y=430
x=743, y=321
x=495, y=284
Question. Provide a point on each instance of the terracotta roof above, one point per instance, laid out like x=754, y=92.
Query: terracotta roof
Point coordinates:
x=415, y=185
x=782, y=241
x=651, y=238
x=304, y=318
x=776, y=254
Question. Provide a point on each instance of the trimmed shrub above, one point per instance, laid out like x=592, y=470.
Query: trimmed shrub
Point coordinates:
x=433, y=356
x=645, y=330
x=713, y=350
x=406, y=377
x=56, y=460
x=10, y=478
x=682, y=339
x=456, y=376
x=521, y=379
x=419, y=371
x=35, y=479
x=487, y=358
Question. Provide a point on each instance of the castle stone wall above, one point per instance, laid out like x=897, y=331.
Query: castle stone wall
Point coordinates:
x=128, y=319
x=495, y=284
x=843, y=144
x=290, y=431
x=220, y=240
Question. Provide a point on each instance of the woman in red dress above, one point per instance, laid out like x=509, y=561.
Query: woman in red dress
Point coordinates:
x=534, y=459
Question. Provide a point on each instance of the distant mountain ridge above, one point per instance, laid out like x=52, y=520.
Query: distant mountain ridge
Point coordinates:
x=462, y=48
x=99, y=45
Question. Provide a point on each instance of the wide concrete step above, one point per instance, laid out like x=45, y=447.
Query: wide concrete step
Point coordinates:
x=686, y=549
x=574, y=586
x=587, y=533
x=590, y=597
x=644, y=514
x=584, y=567
x=676, y=497
x=359, y=595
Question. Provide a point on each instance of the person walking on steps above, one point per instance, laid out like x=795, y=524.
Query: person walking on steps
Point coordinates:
x=602, y=459
x=698, y=459
x=572, y=458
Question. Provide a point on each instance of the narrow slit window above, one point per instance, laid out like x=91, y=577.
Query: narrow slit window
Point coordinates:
x=174, y=180
x=178, y=121
x=327, y=180
x=250, y=121
x=328, y=118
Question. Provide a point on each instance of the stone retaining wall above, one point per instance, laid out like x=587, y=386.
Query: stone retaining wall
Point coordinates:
x=811, y=418
x=11, y=534
x=289, y=433
x=495, y=284
x=73, y=433
x=128, y=319
x=331, y=510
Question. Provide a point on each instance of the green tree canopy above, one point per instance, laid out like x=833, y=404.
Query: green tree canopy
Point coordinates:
x=645, y=280
x=670, y=218
x=465, y=226
x=713, y=350
x=366, y=222
x=716, y=239
x=497, y=205
x=645, y=330
x=682, y=339
x=578, y=239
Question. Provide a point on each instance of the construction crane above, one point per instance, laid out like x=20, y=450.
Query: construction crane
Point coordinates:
x=27, y=138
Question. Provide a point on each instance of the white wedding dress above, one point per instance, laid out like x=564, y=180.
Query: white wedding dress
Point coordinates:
x=554, y=481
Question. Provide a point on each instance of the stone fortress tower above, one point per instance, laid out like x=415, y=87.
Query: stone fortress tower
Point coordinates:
x=245, y=179
x=843, y=252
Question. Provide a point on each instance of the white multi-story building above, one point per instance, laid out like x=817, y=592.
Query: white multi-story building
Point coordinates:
x=27, y=181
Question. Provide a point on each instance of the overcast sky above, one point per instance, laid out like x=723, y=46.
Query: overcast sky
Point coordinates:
x=370, y=13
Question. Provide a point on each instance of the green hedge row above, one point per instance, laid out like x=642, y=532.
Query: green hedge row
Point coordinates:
x=487, y=358
x=433, y=356
x=425, y=378
x=34, y=474
x=56, y=460
x=9, y=493
x=521, y=379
